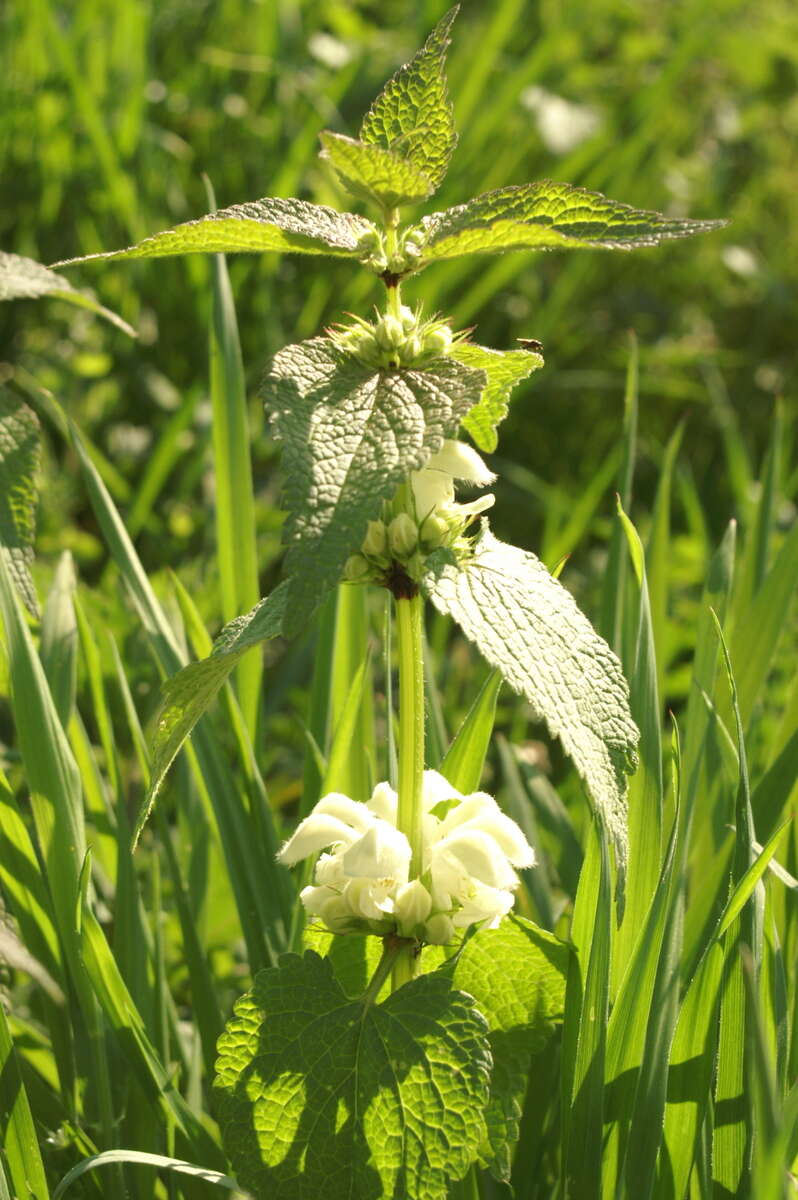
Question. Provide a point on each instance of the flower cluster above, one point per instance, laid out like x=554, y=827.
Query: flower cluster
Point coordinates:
x=406, y=340
x=362, y=884
x=436, y=519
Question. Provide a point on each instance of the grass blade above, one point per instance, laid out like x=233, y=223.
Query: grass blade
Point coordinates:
x=17, y=1131
x=464, y=760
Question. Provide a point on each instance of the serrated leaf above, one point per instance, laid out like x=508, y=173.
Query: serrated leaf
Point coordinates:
x=324, y=1096
x=412, y=116
x=517, y=975
x=528, y=625
x=189, y=693
x=260, y=225
x=374, y=174
x=351, y=435
x=545, y=216
x=504, y=369
x=19, y=462
x=25, y=279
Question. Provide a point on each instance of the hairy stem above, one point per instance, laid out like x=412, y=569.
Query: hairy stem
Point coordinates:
x=409, y=627
x=393, y=299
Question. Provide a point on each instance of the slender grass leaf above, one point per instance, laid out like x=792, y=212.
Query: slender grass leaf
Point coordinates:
x=260, y=225
x=320, y=1093
x=745, y=886
x=144, y=1159
x=58, y=649
x=319, y=707
x=236, y=548
x=351, y=435
x=646, y=790
x=758, y=629
x=25, y=279
x=585, y=1034
x=520, y=618
x=773, y=791
x=412, y=116
x=544, y=216
x=517, y=975
x=658, y=553
x=763, y=519
x=17, y=1130
x=189, y=693
x=536, y=878
x=614, y=588
x=350, y=650
x=464, y=760
x=19, y=464
x=373, y=173
x=504, y=369
x=691, y=1068
x=338, y=776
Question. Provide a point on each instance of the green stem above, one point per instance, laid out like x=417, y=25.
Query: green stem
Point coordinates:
x=409, y=625
x=393, y=299
x=392, y=949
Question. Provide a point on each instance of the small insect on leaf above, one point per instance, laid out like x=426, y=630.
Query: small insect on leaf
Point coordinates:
x=530, y=344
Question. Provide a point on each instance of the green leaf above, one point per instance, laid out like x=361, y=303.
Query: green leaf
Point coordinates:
x=19, y=463
x=18, y=1135
x=374, y=174
x=351, y=436
x=189, y=693
x=412, y=117
x=141, y=1157
x=322, y=1095
x=516, y=974
x=544, y=216
x=25, y=279
x=504, y=369
x=464, y=760
x=268, y=224
x=525, y=623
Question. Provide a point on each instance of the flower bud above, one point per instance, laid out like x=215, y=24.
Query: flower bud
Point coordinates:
x=438, y=340
x=376, y=540
x=411, y=349
x=412, y=907
x=356, y=568
x=439, y=930
x=434, y=532
x=402, y=535
x=408, y=318
x=389, y=332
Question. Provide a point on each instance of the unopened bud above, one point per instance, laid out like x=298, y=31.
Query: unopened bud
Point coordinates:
x=412, y=349
x=389, y=332
x=402, y=535
x=375, y=541
x=439, y=930
x=356, y=568
x=438, y=340
x=434, y=532
x=408, y=318
x=412, y=907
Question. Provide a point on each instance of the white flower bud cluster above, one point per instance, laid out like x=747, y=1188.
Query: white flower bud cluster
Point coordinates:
x=391, y=342
x=362, y=884
x=436, y=520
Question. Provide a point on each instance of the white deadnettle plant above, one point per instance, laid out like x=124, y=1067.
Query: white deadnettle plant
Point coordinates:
x=469, y=849
x=404, y=1095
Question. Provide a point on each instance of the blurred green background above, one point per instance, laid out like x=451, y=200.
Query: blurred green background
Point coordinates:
x=111, y=110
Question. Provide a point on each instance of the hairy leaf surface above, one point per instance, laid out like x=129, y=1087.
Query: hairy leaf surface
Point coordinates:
x=374, y=174
x=25, y=279
x=516, y=974
x=189, y=693
x=19, y=462
x=545, y=216
x=268, y=224
x=412, y=116
x=324, y=1096
x=528, y=625
x=504, y=369
x=351, y=434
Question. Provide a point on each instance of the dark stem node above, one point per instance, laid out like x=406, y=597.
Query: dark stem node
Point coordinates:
x=399, y=583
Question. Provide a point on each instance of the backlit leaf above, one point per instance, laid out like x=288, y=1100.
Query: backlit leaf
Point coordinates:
x=374, y=174
x=19, y=462
x=504, y=369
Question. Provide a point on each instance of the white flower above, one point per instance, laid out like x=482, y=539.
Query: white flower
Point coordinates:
x=469, y=852
x=433, y=485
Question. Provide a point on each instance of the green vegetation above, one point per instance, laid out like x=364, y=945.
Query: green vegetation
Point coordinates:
x=637, y=1034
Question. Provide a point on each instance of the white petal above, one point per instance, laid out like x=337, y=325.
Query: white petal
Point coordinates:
x=473, y=507
x=487, y=905
x=435, y=788
x=473, y=807
x=483, y=813
x=335, y=804
x=382, y=852
x=412, y=906
x=430, y=489
x=368, y=898
x=481, y=857
x=313, y=834
x=330, y=870
x=461, y=461
x=384, y=802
